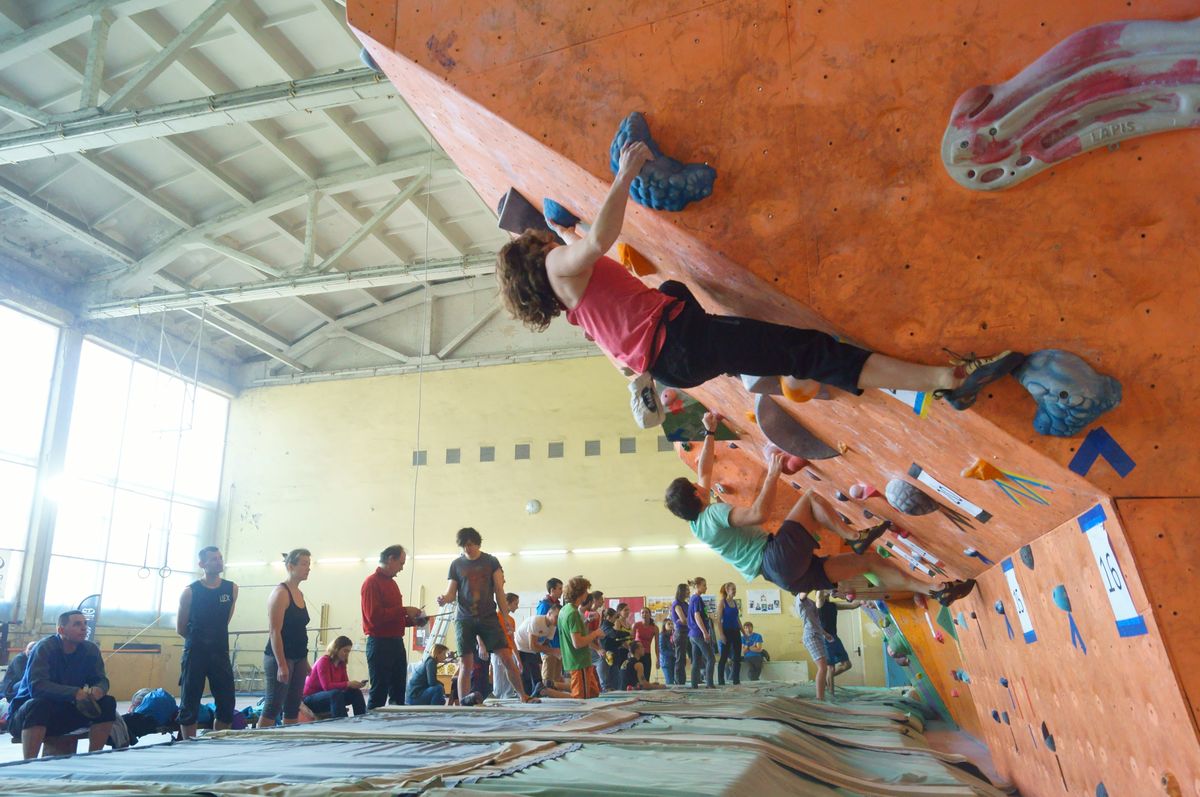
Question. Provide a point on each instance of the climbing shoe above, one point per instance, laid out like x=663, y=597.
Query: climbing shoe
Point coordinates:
x=953, y=591
x=863, y=543
x=977, y=372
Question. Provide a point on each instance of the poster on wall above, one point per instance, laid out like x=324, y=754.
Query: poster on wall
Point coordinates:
x=763, y=601
x=660, y=606
x=635, y=604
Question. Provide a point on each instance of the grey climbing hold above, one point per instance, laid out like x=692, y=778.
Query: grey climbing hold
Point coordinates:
x=663, y=183
x=785, y=431
x=908, y=499
x=1026, y=554
x=1070, y=394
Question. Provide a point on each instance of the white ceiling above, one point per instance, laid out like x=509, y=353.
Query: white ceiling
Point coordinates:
x=227, y=177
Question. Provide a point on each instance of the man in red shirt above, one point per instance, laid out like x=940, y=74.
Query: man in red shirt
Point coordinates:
x=384, y=619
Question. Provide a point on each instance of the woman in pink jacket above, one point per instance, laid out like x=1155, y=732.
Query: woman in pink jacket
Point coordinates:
x=327, y=689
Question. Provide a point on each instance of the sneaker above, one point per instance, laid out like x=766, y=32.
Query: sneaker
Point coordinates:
x=953, y=591
x=978, y=372
x=863, y=543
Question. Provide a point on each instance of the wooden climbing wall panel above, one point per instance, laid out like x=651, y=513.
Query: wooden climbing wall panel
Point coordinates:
x=1117, y=712
x=832, y=210
x=939, y=660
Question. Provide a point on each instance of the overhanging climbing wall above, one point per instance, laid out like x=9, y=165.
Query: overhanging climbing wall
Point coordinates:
x=832, y=209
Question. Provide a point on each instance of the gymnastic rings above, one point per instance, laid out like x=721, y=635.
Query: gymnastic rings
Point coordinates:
x=165, y=572
x=143, y=572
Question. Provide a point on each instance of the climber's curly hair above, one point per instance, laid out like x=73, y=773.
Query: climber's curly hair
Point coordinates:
x=524, y=283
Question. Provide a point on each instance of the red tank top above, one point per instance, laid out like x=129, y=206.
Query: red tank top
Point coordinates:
x=621, y=314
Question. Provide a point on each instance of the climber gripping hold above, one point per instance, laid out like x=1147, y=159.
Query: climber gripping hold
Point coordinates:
x=667, y=333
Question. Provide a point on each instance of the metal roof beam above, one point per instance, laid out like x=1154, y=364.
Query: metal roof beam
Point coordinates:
x=65, y=25
x=185, y=296
x=58, y=135
x=425, y=365
x=167, y=55
x=268, y=206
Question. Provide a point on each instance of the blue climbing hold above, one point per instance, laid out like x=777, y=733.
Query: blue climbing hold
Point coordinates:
x=557, y=214
x=999, y=607
x=664, y=183
x=368, y=61
x=1061, y=600
x=1070, y=394
x=995, y=715
x=1101, y=789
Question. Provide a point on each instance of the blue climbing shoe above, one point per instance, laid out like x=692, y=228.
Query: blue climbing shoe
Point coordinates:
x=979, y=372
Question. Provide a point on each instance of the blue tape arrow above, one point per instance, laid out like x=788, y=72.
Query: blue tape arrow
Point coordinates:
x=1099, y=443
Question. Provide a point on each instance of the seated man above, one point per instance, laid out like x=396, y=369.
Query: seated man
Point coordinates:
x=752, y=650
x=786, y=558
x=64, y=689
x=12, y=678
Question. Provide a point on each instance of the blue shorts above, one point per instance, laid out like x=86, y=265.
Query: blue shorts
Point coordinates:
x=837, y=651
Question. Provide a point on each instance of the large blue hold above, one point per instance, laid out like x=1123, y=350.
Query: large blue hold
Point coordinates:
x=664, y=183
x=1070, y=394
x=557, y=214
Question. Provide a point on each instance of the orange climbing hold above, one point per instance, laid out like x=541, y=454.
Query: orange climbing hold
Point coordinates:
x=634, y=260
x=984, y=471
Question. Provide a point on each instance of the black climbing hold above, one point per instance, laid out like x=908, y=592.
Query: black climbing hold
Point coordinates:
x=996, y=715
x=839, y=495
x=1048, y=738
x=733, y=445
x=868, y=514
x=845, y=519
x=797, y=486
x=1027, y=556
x=812, y=476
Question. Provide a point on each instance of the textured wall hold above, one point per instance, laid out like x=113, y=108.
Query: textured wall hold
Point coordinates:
x=664, y=183
x=908, y=499
x=1099, y=86
x=785, y=431
x=557, y=214
x=1070, y=394
x=1026, y=554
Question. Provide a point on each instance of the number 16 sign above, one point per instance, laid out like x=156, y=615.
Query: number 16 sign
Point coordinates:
x=1129, y=622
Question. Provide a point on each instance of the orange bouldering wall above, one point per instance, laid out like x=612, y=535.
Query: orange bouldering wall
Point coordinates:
x=832, y=210
x=1116, y=712
x=939, y=660
x=1163, y=543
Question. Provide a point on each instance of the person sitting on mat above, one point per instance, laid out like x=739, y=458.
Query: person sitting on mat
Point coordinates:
x=786, y=558
x=328, y=689
x=633, y=673
x=668, y=334
x=424, y=688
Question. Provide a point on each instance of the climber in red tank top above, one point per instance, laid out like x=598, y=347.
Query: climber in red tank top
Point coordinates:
x=667, y=333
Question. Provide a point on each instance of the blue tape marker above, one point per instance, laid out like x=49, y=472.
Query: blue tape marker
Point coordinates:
x=1099, y=443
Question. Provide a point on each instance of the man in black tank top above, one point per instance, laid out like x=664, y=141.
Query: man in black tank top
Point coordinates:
x=203, y=621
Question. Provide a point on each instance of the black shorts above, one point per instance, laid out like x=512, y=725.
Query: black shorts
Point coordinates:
x=699, y=347
x=789, y=562
x=486, y=628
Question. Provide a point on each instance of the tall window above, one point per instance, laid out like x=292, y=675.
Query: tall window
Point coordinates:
x=28, y=367
x=139, y=490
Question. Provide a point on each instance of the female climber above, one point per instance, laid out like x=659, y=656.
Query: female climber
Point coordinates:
x=666, y=332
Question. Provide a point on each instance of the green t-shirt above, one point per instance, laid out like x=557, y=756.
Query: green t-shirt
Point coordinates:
x=741, y=547
x=570, y=622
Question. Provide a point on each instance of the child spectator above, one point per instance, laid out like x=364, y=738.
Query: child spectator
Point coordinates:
x=752, y=651
x=575, y=643
x=666, y=651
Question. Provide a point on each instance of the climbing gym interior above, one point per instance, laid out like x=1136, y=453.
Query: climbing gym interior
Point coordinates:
x=249, y=281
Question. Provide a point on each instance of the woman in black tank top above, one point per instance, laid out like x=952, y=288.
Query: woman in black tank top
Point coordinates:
x=285, y=660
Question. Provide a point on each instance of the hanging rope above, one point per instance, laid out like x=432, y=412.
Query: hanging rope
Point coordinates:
x=426, y=308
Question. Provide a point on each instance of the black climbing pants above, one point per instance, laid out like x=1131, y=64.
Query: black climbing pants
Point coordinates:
x=699, y=346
